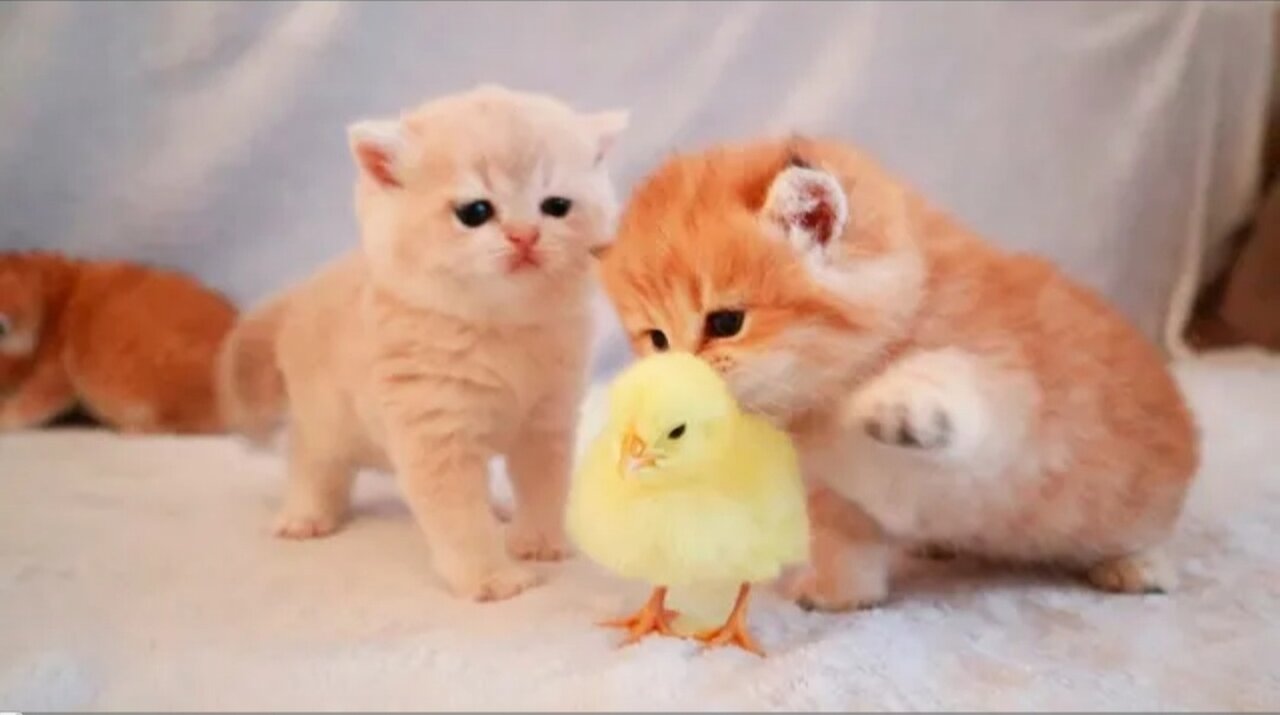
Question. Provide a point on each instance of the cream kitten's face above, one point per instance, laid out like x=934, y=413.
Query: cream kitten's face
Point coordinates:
x=486, y=199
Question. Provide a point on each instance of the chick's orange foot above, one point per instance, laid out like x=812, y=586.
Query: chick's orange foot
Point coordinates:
x=652, y=618
x=734, y=631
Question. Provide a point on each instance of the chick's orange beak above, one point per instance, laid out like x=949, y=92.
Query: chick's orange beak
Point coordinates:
x=633, y=456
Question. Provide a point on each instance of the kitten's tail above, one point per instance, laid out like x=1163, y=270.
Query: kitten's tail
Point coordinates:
x=251, y=391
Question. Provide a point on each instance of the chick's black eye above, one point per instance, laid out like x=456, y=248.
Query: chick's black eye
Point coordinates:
x=659, y=340
x=556, y=206
x=723, y=323
x=676, y=433
x=474, y=214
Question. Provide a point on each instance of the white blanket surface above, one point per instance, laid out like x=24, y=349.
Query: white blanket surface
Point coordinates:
x=139, y=573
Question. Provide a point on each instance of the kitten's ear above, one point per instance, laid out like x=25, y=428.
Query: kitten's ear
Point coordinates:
x=377, y=146
x=808, y=206
x=605, y=128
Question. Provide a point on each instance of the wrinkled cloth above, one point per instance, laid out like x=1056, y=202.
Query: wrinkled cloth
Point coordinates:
x=1119, y=139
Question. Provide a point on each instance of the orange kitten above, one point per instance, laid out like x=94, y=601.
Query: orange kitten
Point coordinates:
x=133, y=345
x=459, y=331
x=954, y=393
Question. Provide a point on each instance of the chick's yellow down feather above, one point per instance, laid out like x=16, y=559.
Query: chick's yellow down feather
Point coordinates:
x=681, y=488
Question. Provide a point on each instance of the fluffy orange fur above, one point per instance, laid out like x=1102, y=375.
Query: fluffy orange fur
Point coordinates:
x=949, y=392
x=456, y=333
x=133, y=345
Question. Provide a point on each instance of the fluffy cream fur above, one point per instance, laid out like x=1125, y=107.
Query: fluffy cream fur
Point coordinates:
x=439, y=345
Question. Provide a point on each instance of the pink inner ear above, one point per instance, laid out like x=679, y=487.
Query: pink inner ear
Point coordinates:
x=819, y=218
x=377, y=164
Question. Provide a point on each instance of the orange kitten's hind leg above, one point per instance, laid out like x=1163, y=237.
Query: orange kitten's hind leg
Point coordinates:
x=1144, y=572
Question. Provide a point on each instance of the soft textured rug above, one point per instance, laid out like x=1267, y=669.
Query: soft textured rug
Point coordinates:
x=138, y=573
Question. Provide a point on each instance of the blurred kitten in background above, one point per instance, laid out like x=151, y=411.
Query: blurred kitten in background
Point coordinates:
x=132, y=346
x=952, y=393
x=459, y=331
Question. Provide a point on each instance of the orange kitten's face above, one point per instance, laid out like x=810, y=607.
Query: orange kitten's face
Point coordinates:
x=20, y=311
x=789, y=266
x=696, y=267
x=496, y=193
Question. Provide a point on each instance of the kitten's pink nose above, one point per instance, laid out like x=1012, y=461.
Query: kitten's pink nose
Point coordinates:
x=522, y=236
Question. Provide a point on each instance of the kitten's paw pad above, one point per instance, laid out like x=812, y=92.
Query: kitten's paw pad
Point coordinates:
x=928, y=402
x=499, y=584
x=532, y=544
x=905, y=415
x=1139, y=573
x=304, y=526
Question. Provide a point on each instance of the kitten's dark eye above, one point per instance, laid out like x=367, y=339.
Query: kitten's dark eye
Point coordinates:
x=556, y=206
x=659, y=340
x=723, y=323
x=676, y=433
x=4, y=325
x=475, y=213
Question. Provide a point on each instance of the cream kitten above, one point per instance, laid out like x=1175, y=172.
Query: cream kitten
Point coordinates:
x=458, y=332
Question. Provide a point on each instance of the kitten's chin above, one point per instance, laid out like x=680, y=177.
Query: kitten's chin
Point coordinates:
x=779, y=413
x=757, y=399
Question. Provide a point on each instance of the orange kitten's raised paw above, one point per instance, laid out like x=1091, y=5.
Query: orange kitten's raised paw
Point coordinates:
x=289, y=525
x=1140, y=573
x=928, y=402
x=500, y=584
x=534, y=544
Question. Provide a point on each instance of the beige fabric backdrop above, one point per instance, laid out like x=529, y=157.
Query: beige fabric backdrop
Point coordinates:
x=1117, y=138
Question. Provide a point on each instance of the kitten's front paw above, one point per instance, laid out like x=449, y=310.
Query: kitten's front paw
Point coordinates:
x=498, y=584
x=293, y=524
x=917, y=406
x=813, y=592
x=532, y=543
x=905, y=415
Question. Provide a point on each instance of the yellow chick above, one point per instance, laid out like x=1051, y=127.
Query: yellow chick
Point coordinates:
x=683, y=489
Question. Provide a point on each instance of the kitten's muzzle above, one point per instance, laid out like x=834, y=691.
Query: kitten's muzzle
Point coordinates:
x=523, y=240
